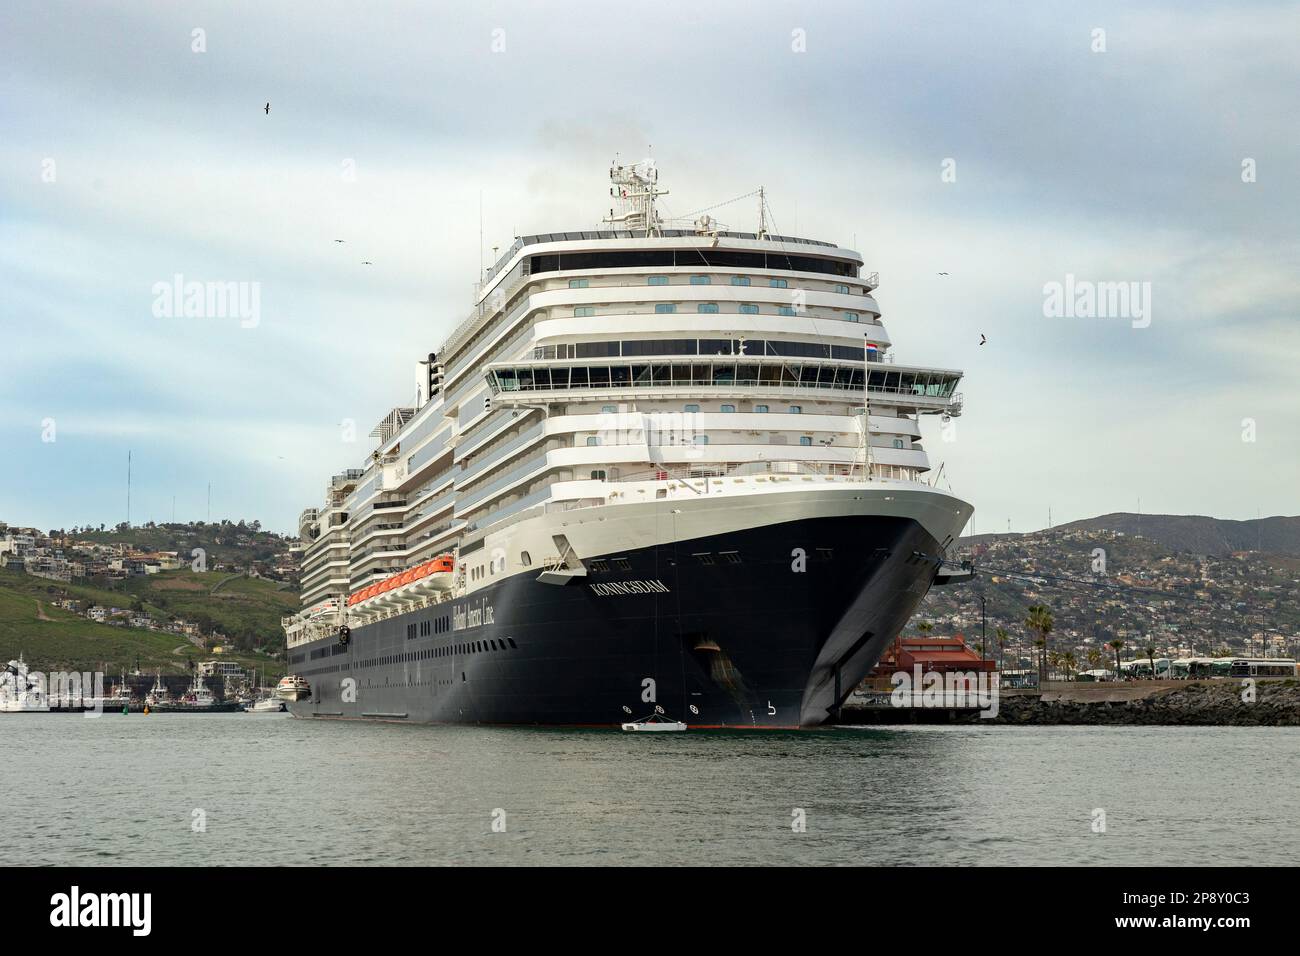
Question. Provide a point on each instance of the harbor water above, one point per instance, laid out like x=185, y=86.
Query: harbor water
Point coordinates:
x=236, y=789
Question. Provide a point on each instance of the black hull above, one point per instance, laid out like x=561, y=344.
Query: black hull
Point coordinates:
x=732, y=640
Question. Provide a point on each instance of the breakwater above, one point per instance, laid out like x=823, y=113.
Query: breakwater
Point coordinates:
x=1212, y=703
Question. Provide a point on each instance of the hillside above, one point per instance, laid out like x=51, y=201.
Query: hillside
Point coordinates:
x=225, y=543
x=1184, y=586
x=246, y=610
x=1197, y=534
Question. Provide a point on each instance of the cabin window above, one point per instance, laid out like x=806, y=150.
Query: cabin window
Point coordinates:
x=749, y=310
x=701, y=280
x=593, y=440
x=665, y=308
x=524, y=559
x=701, y=439
x=583, y=310
x=779, y=284
x=598, y=475
x=692, y=408
x=805, y=439
x=577, y=283
x=608, y=409
x=785, y=310
x=796, y=409
x=842, y=289
x=850, y=316
x=740, y=280
x=898, y=443
x=728, y=408
x=656, y=280
x=761, y=409
x=707, y=307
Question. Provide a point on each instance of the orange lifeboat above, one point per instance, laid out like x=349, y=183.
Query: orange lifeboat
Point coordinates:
x=441, y=577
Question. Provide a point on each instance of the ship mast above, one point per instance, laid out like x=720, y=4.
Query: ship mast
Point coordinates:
x=634, y=190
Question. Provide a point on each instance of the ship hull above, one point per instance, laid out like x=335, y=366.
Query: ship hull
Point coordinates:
x=768, y=626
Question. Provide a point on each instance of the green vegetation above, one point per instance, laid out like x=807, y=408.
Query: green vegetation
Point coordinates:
x=246, y=610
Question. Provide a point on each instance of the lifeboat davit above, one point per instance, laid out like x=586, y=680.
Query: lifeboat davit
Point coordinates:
x=383, y=596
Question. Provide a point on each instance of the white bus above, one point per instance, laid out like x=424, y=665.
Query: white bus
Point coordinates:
x=1262, y=667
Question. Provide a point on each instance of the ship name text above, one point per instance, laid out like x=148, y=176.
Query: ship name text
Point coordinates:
x=617, y=588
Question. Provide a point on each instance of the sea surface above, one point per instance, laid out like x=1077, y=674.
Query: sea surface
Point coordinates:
x=237, y=789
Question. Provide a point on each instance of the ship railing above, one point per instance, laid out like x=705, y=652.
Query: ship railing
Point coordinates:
x=758, y=469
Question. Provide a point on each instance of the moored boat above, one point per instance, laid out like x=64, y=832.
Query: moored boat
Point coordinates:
x=20, y=693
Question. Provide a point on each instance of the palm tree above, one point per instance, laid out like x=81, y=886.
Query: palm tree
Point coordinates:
x=1151, y=656
x=1116, y=645
x=1039, y=621
x=1094, y=658
x=925, y=627
x=1001, y=635
x=1069, y=661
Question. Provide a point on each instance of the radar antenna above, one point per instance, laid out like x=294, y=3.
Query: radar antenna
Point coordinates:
x=634, y=189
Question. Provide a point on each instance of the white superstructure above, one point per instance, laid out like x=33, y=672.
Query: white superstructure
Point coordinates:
x=614, y=388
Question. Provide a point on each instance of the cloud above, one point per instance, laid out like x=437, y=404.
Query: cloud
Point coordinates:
x=1117, y=166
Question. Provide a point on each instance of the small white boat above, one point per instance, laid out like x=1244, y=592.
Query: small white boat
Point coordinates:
x=266, y=705
x=655, y=723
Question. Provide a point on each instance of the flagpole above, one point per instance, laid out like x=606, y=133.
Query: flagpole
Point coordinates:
x=866, y=408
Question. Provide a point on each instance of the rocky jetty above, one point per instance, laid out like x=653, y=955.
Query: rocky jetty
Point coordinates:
x=1223, y=703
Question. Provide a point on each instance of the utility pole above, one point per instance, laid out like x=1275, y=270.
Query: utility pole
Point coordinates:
x=983, y=623
x=128, y=488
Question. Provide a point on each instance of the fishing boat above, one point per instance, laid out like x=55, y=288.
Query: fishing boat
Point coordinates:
x=197, y=699
x=158, y=695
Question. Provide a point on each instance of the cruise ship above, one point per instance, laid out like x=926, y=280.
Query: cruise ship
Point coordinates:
x=662, y=467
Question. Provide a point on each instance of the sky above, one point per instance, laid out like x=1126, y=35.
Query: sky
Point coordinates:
x=974, y=154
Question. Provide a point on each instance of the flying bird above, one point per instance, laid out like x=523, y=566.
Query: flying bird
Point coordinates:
x=982, y=338
x=367, y=263
x=943, y=273
x=338, y=240
x=268, y=109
